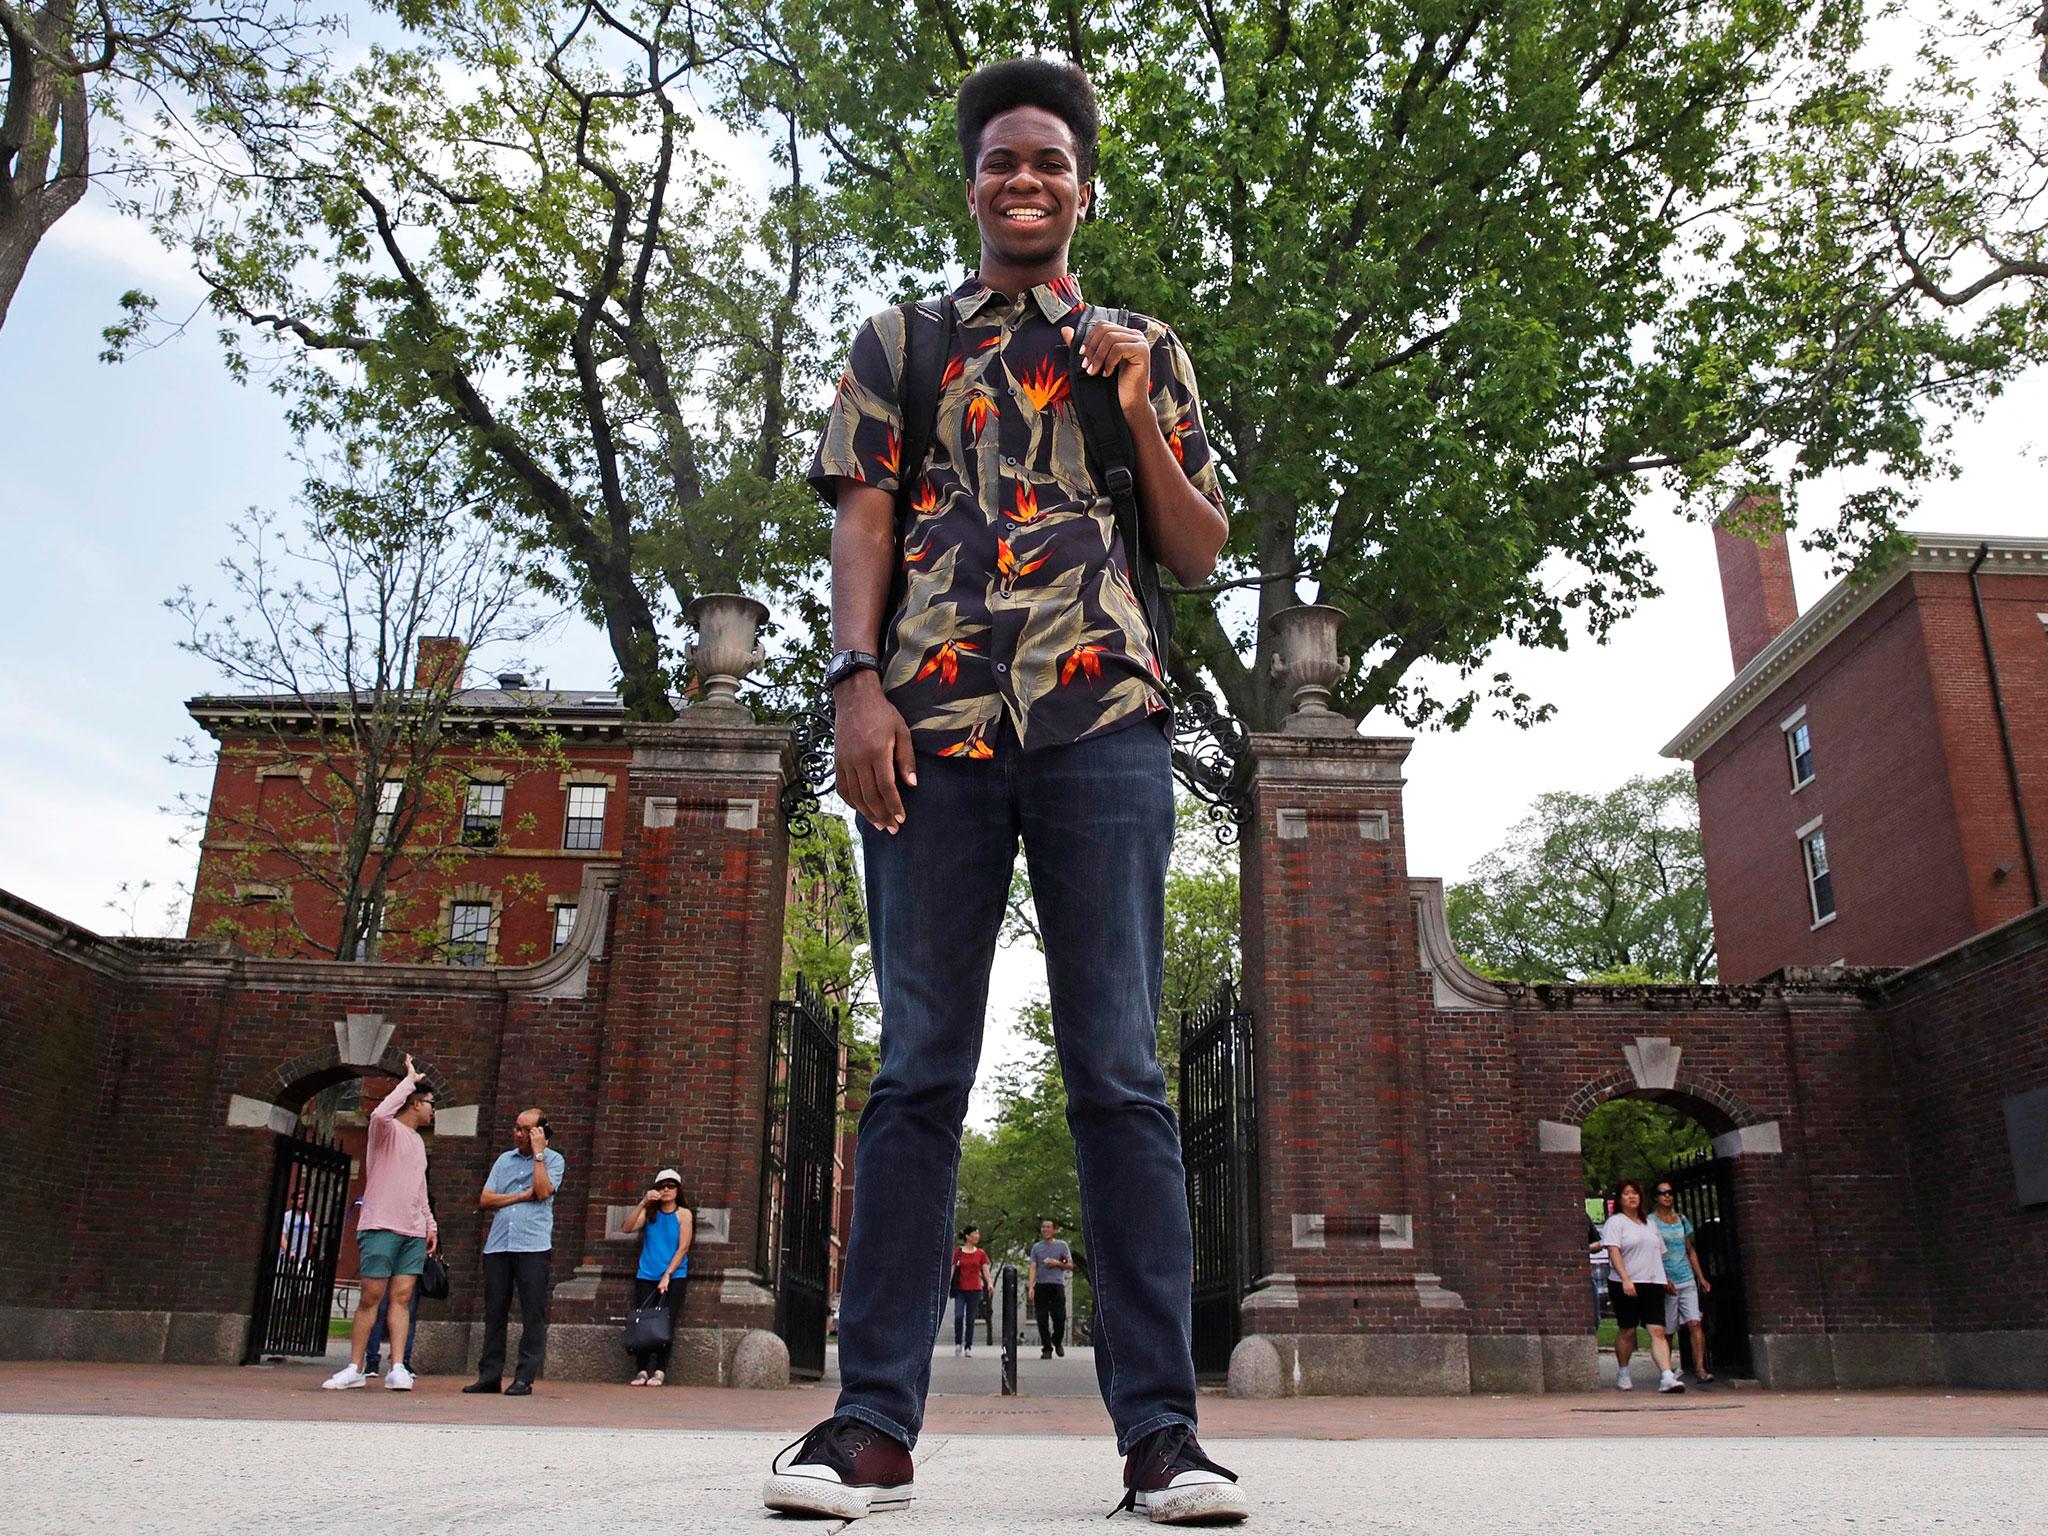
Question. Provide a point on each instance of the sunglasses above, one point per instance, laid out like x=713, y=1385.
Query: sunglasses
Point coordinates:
x=1665, y=1194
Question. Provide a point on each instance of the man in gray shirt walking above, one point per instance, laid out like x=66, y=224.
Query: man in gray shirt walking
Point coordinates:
x=1052, y=1271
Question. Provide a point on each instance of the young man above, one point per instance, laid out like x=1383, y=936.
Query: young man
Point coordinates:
x=1015, y=690
x=1687, y=1277
x=395, y=1229
x=520, y=1195
x=1052, y=1271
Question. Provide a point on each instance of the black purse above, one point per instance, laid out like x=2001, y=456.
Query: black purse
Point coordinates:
x=649, y=1327
x=433, y=1281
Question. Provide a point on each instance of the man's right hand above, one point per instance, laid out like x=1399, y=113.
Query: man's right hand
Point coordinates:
x=871, y=750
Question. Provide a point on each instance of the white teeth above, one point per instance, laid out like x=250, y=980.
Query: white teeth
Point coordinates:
x=1026, y=215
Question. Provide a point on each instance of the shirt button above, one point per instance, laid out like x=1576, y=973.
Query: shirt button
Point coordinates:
x=1011, y=462
x=1001, y=667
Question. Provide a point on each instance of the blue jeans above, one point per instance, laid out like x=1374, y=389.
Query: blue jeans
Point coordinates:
x=966, y=1305
x=1096, y=818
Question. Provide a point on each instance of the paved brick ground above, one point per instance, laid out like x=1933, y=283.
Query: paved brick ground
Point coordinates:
x=291, y=1393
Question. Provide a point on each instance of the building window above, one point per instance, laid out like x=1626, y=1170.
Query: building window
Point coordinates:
x=1820, y=885
x=585, y=827
x=483, y=815
x=1799, y=748
x=565, y=922
x=372, y=935
x=469, y=933
x=389, y=793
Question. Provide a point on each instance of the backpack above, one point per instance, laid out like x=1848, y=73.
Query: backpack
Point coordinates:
x=928, y=326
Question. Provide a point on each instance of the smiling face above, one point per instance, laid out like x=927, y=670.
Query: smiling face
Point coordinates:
x=1026, y=193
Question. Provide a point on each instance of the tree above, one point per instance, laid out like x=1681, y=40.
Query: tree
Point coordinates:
x=1637, y=1139
x=544, y=270
x=1462, y=281
x=328, y=624
x=1610, y=888
x=825, y=940
x=74, y=69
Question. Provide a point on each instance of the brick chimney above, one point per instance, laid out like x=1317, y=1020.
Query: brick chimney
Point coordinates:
x=439, y=663
x=1756, y=579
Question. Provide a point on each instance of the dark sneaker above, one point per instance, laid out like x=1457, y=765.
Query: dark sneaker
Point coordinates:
x=1060, y=1350
x=845, y=1468
x=1167, y=1478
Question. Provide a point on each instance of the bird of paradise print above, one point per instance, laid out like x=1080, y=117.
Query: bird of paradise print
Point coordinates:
x=1084, y=659
x=1045, y=386
x=973, y=746
x=945, y=661
x=955, y=366
x=1010, y=569
x=926, y=501
x=1025, y=509
x=1180, y=430
x=979, y=409
x=891, y=458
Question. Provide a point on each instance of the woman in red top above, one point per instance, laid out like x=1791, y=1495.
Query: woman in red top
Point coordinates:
x=970, y=1279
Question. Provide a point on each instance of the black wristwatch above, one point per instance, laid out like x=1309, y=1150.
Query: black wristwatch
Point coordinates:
x=845, y=664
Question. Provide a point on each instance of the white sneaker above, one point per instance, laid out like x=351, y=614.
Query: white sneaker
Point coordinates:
x=348, y=1376
x=1670, y=1383
x=959, y=1350
x=1622, y=1382
x=399, y=1379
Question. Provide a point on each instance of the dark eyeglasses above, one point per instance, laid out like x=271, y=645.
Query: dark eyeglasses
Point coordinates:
x=1665, y=1194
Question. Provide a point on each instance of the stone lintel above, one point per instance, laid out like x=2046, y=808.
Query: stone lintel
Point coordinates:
x=1556, y=1136
x=1367, y=761
x=1750, y=1140
x=710, y=749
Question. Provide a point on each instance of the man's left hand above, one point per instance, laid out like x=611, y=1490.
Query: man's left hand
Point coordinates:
x=1120, y=350
x=433, y=1244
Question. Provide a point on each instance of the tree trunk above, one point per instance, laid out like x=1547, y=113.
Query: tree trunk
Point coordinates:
x=44, y=117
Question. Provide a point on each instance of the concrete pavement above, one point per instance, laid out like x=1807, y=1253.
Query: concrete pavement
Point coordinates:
x=109, y=1476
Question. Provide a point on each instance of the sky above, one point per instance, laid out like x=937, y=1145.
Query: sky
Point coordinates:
x=121, y=481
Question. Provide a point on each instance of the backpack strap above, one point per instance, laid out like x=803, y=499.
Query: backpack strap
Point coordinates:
x=928, y=326
x=1111, y=450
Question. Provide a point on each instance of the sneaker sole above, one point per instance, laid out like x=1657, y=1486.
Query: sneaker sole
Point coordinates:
x=397, y=1386
x=1207, y=1504
x=343, y=1386
x=814, y=1496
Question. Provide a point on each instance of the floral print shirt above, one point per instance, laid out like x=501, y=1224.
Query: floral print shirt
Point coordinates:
x=1018, y=592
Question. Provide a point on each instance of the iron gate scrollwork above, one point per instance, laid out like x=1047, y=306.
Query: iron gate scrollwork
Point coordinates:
x=301, y=1244
x=1704, y=1191
x=798, y=1186
x=1219, y=1133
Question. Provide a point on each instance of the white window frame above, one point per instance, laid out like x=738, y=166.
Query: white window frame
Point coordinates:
x=1789, y=728
x=390, y=795
x=1808, y=836
x=561, y=934
x=459, y=947
x=495, y=822
x=570, y=818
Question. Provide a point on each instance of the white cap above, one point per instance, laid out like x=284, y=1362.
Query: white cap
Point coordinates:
x=668, y=1173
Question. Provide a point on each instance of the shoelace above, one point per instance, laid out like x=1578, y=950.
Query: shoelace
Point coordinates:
x=1170, y=1449
x=843, y=1436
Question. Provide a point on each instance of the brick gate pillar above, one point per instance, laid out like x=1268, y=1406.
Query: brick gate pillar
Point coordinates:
x=1351, y=1302
x=696, y=963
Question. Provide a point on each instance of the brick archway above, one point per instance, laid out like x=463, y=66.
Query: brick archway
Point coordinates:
x=1713, y=1106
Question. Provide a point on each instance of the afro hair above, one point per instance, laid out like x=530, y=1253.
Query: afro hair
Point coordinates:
x=1060, y=88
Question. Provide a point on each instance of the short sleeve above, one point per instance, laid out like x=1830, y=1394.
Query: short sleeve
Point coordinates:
x=1178, y=402
x=863, y=436
x=1608, y=1234
x=558, y=1167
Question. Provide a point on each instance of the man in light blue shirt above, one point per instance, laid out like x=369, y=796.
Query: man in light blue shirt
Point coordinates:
x=520, y=1195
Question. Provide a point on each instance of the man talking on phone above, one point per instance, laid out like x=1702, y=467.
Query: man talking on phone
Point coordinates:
x=520, y=1195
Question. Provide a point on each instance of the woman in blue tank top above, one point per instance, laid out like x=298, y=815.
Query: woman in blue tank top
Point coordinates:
x=665, y=1226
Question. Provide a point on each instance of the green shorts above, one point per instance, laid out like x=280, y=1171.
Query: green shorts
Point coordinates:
x=385, y=1254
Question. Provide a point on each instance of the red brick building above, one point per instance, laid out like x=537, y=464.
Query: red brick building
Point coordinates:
x=525, y=794
x=1873, y=783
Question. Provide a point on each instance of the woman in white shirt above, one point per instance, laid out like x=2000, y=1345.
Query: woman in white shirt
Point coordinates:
x=1636, y=1286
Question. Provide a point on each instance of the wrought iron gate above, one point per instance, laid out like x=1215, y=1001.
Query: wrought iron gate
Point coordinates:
x=1705, y=1191
x=797, y=1185
x=1219, y=1137
x=301, y=1242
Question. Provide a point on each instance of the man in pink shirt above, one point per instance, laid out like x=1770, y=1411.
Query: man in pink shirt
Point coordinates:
x=395, y=1228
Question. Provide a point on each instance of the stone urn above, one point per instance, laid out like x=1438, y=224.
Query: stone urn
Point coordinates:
x=1308, y=667
x=726, y=649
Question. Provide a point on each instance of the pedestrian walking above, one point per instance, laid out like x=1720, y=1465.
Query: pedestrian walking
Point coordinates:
x=971, y=1269
x=1009, y=469
x=1052, y=1270
x=395, y=1228
x=1596, y=1254
x=666, y=1225
x=1684, y=1273
x=1636, y=1288
x=519, y=1253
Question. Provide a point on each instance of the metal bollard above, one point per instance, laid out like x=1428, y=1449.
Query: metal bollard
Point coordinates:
x=1009, y=1330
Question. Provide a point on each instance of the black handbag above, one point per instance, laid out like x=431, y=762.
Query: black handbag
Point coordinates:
x=433, y=1281
x=649, y=1327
